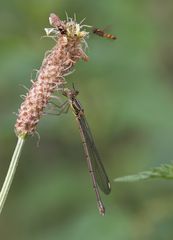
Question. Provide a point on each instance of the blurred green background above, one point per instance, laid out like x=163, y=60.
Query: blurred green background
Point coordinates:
x=127, y=92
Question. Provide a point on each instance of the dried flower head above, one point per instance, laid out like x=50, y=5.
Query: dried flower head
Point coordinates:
x=70, y=27
x=70, y=42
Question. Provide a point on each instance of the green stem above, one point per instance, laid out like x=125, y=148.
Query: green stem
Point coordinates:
x=11, y=171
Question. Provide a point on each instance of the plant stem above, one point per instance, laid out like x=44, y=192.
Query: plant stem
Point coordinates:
x=11, y=171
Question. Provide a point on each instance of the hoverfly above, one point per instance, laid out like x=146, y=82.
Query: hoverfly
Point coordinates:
x=101, y=33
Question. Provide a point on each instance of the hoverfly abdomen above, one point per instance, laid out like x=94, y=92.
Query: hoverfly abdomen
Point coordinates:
x=110, y=36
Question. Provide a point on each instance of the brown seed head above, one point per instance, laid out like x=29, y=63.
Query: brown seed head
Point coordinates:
x=67, y=51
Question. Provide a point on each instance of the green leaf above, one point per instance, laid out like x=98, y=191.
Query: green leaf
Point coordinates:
x=165, y=171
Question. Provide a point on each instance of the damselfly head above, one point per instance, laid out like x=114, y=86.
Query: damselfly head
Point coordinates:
x=70, y=93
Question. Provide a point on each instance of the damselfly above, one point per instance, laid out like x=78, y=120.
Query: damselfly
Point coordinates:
x=95, y=166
